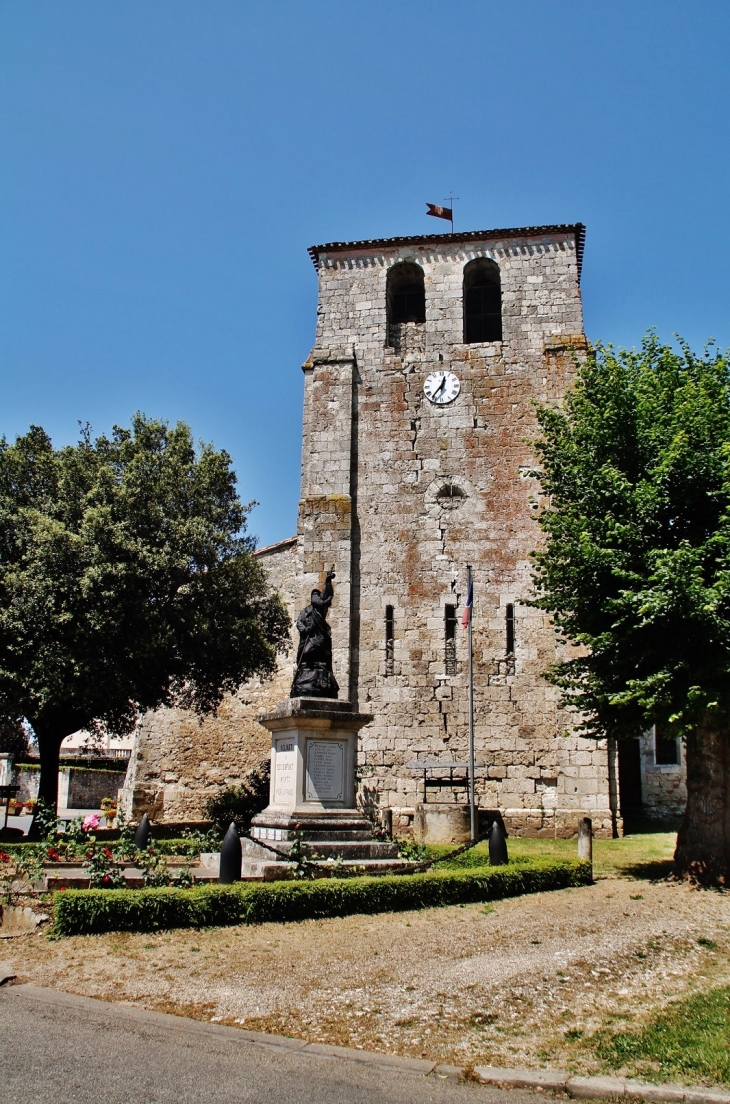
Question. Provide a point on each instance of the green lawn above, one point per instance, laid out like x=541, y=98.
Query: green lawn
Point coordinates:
x=639, y=855
x=690, y=1039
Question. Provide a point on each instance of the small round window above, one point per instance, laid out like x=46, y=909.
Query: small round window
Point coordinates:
x=450, y=497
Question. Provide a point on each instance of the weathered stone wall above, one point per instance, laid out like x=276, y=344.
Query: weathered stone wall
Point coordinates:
x=179, y=761
x=87, y=788
x=376, y=455
x=78, y=788
x=663, y=785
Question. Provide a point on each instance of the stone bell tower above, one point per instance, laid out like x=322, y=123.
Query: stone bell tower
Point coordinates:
x=430, y=354
x=419, y=412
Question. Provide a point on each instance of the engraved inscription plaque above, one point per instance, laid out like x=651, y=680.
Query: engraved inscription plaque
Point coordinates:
x=285, y=771
x=325, y=770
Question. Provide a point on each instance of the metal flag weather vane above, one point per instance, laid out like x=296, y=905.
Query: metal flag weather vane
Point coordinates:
x=443, y=212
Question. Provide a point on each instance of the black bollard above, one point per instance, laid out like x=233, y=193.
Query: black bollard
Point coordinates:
x=230, y=870
x=142, y=835
x=497, y=845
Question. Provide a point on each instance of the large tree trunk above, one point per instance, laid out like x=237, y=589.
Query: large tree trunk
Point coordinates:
x=50, y=733
x=703, y=843
x=49, y=747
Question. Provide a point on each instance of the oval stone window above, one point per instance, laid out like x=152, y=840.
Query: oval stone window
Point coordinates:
x=450, y=497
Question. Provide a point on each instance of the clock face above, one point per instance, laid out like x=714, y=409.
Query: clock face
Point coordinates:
x=441, y=387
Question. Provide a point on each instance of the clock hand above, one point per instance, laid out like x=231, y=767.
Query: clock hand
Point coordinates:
x=440, y=386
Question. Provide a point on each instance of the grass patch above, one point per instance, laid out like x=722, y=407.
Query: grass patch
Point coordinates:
x=644, y=855
x=90, y=911
x=689, y=1039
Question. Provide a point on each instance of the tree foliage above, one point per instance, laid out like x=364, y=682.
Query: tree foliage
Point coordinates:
x=126, y=581
x=635, y=570
x=14, y=737
x=238, y=804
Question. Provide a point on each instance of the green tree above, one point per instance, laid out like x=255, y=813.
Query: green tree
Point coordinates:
x=635, y=567
x=13, y=737
x=126, y=583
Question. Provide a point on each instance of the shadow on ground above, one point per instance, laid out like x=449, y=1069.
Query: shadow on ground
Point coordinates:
x=655, y=870
x=651, y=869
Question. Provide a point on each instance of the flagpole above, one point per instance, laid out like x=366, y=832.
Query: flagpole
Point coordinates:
x=472, y=802
x=452, y=197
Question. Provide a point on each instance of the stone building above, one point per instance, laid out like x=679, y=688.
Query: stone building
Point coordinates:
x=430, y=353
x=652, y=777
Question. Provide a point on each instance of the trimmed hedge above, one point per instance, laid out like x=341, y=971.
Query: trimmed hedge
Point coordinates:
x=181, y=847
x=91, y=911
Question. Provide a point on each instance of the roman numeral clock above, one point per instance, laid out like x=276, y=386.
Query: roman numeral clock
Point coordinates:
x=441, y=387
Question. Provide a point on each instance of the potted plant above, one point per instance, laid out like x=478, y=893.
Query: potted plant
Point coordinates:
x=109, y=809
x=30, y=806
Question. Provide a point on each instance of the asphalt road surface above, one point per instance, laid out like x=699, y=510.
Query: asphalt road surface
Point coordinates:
x=60, y=1049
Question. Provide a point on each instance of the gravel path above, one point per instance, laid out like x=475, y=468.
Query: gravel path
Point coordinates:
x=507, y=984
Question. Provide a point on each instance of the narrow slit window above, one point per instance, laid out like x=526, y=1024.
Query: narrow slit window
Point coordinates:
x=509, y=625
x=389, y=641
x=450, y=640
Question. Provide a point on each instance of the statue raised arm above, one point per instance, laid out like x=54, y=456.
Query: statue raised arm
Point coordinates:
x=313, y=677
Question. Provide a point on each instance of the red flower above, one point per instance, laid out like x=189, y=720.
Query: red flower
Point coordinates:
x=4, y=857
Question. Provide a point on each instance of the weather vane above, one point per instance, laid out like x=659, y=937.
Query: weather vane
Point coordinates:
x=443, y=212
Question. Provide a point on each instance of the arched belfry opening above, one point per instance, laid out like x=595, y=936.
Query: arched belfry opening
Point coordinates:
x=405, y=300
x=482, y=301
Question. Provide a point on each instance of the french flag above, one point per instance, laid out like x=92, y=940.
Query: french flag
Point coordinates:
x=468, y=606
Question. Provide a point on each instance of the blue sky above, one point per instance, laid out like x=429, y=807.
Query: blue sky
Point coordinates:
x=164, y=165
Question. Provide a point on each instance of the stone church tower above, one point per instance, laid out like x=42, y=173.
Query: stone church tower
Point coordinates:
x=419, y=393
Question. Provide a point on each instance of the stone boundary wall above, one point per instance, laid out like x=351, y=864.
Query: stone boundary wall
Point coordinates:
x=78, y=788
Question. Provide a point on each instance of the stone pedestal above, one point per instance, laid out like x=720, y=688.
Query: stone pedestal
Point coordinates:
x=312, y=796
x=442, y=823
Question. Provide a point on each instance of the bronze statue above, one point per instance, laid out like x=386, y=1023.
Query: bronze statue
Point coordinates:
x=313, y=677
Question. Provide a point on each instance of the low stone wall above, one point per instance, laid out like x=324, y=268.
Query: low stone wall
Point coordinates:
x=560, y=823
x=86, y=788
x=530, y=823
x=78, y=787
x=27, y=780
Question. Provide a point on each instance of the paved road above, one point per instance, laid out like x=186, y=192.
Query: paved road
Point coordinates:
x=61, y=1049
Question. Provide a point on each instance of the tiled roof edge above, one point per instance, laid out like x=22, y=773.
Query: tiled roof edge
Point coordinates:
x=576, y=228
x=277, y=547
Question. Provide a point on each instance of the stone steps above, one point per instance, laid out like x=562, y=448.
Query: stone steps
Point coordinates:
x=344, y=849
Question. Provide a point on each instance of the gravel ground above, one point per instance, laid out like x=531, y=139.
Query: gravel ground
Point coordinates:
x=513, y=983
